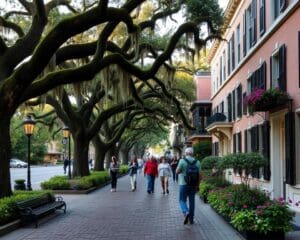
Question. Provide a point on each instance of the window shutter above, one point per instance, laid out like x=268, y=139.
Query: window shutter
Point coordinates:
x=282, y=68
x=299, y=55
x=282, y=5
x=271, y=74
x=234, y=143
x=239, y=101
x=239, y=135
x=262, y=76
x=244, y=103
x=262, y=17
x=244, y=35
x=228, y=58
x=233, y=105
x=232, y=53
x=254, y=147
x=217, y=149
x=245, y=141
x=266, y=149
x=229, y=107
x=290, y=148
x=253, y=16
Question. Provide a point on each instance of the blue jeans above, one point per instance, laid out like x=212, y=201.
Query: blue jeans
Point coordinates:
x=184, y=193
x=150, y=183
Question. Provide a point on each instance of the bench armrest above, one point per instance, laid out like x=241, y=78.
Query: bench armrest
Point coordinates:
x=59, y=198
x=26, y=211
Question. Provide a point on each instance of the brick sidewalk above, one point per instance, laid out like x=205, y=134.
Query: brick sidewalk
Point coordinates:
x=128, y=215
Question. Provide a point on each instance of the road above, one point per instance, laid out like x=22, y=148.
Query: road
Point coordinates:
x=38, y=174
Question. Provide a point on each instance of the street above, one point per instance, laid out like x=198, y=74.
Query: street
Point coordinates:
x=38, y=174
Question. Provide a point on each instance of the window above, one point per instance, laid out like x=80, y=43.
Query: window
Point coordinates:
x=228, y=59
x=248, y=28
x=221, y=74
x=278, y=69
x=233, y=104
x=299, y=56
x=262, y=17
x=253, y=23
x=258, y=78
x=224, y=66
x=238, y=43
x=278, y=6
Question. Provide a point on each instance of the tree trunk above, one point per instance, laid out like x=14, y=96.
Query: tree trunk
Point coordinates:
x=99, y=154
x=123, y=153
x=5, y=155
x=81, y=156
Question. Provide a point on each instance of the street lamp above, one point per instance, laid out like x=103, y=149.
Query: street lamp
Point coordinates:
x=28, y=124
x=67, y=135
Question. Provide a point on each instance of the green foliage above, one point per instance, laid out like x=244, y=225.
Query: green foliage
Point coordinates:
x=8, y=208
x=210, y=162
x=235, y=198
x=274, y=216
x=19, y=181
x=123, y=169
x=243, y=161
x=20, y=141
x=205, y=188
x=196, y=9
x=202, y=149
x=56, y=183
x=63, y=183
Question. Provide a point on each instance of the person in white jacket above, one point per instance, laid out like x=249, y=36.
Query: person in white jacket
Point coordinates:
x=164, y=172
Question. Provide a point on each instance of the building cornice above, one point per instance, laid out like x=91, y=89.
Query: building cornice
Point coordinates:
x=228, y=15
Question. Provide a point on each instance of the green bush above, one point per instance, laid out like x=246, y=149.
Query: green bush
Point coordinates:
x=274, y=216
x=56, y=183
x=205, y=188
x=210, y=162
x=227, y=201
x=123, y=169
x=8, y=207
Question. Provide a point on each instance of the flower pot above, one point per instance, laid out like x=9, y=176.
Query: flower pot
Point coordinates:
x=250, y=235
x=20, y=185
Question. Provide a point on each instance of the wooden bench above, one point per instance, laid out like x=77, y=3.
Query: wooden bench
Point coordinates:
x=34, y=208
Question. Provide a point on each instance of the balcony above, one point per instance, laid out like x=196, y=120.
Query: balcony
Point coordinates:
x=219, y=126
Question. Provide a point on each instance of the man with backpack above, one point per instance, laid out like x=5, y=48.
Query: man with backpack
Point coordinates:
x=189, y=176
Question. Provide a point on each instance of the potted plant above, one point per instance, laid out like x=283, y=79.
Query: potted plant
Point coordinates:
x=19, y=184
x=269, y=221
x=265, y=100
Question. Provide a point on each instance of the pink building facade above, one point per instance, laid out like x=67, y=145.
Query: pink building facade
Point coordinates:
x=262, y=51
x=201, y=108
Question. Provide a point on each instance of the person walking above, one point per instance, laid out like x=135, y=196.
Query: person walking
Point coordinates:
x=66, y=163
x=150, y=171
x=189, y=170
x=113, y=169
x=133, y=169
x=164, y=172
x=174, y=164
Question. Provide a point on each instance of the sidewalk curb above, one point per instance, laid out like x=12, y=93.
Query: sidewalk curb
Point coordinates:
x=9, y=227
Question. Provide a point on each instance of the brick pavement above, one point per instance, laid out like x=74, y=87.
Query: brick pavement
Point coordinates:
x=128, y=215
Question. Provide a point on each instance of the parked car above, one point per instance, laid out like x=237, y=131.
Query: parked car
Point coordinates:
x=17, y=163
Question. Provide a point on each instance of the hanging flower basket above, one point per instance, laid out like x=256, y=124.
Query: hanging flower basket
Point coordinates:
x=265, y=100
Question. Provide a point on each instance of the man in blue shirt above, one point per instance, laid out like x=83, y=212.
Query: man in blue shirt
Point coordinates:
x=186, y=191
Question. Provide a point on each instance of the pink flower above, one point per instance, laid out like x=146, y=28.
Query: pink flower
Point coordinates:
x=245, y=206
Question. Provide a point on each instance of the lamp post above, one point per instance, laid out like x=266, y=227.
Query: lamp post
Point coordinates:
x=67, y=135
x=28, y=124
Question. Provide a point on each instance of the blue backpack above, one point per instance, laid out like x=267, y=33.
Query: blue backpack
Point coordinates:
x=192, y=173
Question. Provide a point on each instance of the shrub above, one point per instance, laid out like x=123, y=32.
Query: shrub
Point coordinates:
x=20, y=181
x=235, y=198
x=274, y=216
x=123, y=169
x=210, y=162
x=56, y=183
x=244, y=161
x=8, y=207
x=205, y=188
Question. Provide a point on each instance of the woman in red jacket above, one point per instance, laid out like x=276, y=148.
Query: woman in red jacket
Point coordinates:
x=150, y=171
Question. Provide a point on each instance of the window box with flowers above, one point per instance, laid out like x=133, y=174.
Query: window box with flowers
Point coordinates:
x=260, y=100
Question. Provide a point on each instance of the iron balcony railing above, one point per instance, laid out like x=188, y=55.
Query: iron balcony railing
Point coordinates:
x=217, y=117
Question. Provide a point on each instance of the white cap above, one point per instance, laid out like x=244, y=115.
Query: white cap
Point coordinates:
x=189, y=151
